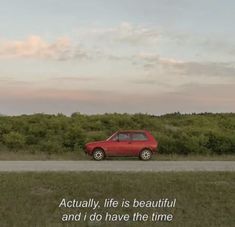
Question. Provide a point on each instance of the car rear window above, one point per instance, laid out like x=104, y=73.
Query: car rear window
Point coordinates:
x=139, y=136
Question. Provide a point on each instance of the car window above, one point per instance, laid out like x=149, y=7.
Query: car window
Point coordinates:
x=139, y=136
x=115, y=137
x=124, y=136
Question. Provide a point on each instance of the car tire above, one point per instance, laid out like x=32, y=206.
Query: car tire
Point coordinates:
x=98, y=154
x=145, y=155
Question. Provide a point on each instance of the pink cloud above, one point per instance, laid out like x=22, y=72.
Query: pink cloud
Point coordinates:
x=37, y=47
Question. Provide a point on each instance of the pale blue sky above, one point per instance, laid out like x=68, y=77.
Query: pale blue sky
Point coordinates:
x=56, y=17
x=89, y=56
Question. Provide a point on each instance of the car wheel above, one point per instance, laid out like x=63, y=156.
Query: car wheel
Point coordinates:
x=98, y=154
x=145, y=154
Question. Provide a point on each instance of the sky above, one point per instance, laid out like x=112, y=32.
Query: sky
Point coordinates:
x=126, y=56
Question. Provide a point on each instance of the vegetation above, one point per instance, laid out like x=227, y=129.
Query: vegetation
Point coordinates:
x=32, y=199
x=196, y=134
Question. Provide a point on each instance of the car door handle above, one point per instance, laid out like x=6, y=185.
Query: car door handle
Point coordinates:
x=129, y=142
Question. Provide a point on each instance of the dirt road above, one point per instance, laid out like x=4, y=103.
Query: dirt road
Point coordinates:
x=129, y=166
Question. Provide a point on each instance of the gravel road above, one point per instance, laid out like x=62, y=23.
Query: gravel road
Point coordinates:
x=128, y=166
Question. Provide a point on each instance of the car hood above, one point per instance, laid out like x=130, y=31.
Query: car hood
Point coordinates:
x=96, y=142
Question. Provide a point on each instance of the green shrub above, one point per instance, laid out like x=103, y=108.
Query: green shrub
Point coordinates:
x=14, y=140
x=221, y=143
x=177, y=133
x=51, y=146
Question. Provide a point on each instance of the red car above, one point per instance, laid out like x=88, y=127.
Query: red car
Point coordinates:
x=137, y=143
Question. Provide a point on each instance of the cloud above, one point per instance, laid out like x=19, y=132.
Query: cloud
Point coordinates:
x=186, y=68
x=152, y=58
x=95, y=39
x=207, y=69
x=208, y=45
x=216, y=45
x=126, y=32
x=123, y=33
x=36, y=47
x=116, y=43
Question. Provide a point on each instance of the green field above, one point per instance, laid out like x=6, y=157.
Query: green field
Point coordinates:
x=32, y=199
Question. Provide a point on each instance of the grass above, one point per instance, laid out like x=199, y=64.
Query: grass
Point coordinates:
x=32, y=199
x=80, y=155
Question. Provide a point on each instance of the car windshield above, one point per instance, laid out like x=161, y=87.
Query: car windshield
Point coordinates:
x=119, y=136
x=113, y=135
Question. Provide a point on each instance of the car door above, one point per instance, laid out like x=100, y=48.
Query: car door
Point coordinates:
x=120, y=145
x=112, y=145
x=138, y=142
